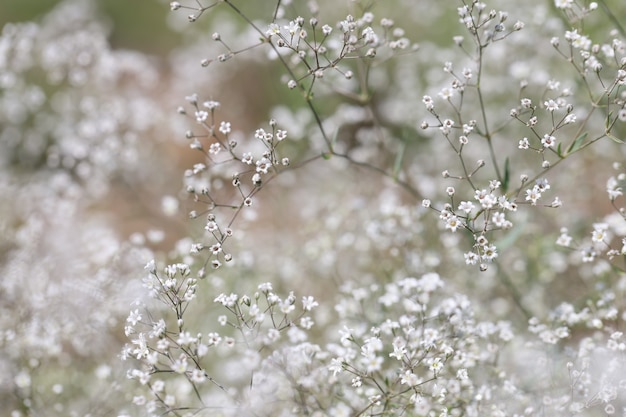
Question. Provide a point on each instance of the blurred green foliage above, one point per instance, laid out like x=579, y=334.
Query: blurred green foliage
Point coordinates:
x=137, y=24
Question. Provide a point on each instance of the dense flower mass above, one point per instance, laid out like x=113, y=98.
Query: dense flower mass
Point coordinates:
x=332, y=219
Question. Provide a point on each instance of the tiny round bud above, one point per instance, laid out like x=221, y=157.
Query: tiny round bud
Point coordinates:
x=216, y=36
x=292, y=84
x=192, y=18
x=445, y=174
x=272, y=122
x=480, y=163
x=450, y=191
x=426, y=203
x=424, y=125
x=205, y=62
x=545, y=164
x=523, y=178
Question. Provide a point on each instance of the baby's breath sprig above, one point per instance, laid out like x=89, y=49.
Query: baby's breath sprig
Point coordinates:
x=247, y=174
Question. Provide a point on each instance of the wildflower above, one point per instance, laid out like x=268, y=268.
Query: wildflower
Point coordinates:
x=466, y=206
x=201, y=116
x=523, y=143
x=336, y=365
x=533, y=195
x=410, y=379
x=471, y=258
x=308, y=303
x=548, y=141
x=551, y=105
x=428, y=102
x=225, y=127
x=489, y=253
x=453, y=223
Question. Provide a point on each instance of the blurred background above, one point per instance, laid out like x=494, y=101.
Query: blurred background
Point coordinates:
x=139, y=24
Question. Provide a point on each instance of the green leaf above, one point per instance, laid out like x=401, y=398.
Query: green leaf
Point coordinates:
x=507, y=175
x=559, y=151
x=577, y=143
x=397, y=165
x=615, y=139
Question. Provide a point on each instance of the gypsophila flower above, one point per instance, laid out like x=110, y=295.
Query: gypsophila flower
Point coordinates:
x=247, y=158
x=211, y=104
x=569, y=119
x=410, y=379
x=523, y=143
x=215, y=148
x=588, y=254
x=466, y=206
x=225, y=128
x=613, y=188
x=308, y=303
x=134, y=317
x=263, y=165
x=453, y=223
x=489, y=253
x=180, y=365
x=428, y=102
x=599, y=233
x=551, y=105
x=548, y=141
x=533, y=195
x=336, y=365
x=471, y=258
x=201, y=116
x=216, y=248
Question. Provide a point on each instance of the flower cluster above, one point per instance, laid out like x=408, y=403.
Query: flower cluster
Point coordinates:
x=172, y=352
x=320, y=253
